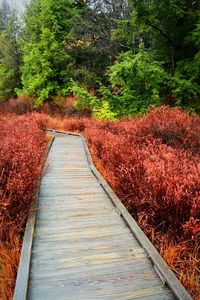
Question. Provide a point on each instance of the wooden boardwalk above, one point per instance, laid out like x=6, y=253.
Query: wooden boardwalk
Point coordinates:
x=82, y=247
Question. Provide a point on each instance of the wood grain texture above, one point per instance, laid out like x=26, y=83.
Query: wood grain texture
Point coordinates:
x=83, y=246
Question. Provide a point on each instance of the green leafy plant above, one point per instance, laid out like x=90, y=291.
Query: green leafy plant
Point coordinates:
x=138, y=81
x=85, y=101
x=104, y=112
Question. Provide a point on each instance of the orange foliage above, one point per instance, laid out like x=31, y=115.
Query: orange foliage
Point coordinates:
x=9, y=260
x=183, y=259
x=23, y=142
x=153, y=164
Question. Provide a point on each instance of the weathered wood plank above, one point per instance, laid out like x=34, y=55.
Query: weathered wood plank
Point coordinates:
x=83, y=244
x=108, y=292
x=79, y=226
x=88, y=260
x=78, y=253
x=111, y=276
x=139, y=265
x=69, y=222
x=120, y=284
x=45, y=210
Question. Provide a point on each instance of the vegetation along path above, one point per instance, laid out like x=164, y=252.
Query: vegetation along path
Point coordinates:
x=85, y=243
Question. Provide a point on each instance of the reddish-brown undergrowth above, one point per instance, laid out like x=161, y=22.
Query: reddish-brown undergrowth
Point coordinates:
x=22, y=146
x=9, y=260
x=153, y=164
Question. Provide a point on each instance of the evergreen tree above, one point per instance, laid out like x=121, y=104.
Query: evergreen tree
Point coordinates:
x=170, y=33
x=47, y=66
x=144, y=52
x=90, y=41
x=168, y=25
x=10, y=57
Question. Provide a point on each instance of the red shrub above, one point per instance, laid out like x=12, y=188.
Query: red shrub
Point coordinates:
x=151, y=167
x=173, y=126
x=19, y=106
x=21, y=151
x=77, y=124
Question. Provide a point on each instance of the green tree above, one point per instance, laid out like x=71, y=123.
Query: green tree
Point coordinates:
x=90, y=41
x=168, y=24
x=10, y=58
x=170, y=33
x=46, y=65
x=137, y=81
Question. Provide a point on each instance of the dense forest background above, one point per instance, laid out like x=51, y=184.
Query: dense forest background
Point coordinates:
x=117, y=57
x=107, y=59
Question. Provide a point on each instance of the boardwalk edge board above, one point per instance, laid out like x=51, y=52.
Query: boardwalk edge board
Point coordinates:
x=164, y=272
x=21, y=286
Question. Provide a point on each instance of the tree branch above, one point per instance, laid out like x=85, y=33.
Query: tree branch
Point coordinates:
x=161, y=32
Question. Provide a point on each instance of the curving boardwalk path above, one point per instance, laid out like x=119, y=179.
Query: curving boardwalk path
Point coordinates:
x=82, y=248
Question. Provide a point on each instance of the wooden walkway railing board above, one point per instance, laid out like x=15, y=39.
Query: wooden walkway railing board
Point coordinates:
x=82, y=247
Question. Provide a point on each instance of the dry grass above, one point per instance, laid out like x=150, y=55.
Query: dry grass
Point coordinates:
x=184, y=259
x=9, y=260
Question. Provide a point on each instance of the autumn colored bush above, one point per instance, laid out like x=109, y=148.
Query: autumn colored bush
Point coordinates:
x=158, y=184
x=18, y=106
x=151, y=162
x=173, y=126
x=23, y=142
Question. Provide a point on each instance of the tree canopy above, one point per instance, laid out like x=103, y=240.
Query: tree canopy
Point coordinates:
x=131, y=53
x=10, y=54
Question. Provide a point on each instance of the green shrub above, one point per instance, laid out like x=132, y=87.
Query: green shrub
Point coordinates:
x=138, y=81
x=85, y=101
x=104, y=112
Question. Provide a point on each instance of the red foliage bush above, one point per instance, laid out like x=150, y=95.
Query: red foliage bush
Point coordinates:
x=77, y=124
x=173, y=126
x=152, y=163
x=19, y=106
x=21, y=151
x=154, y=167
